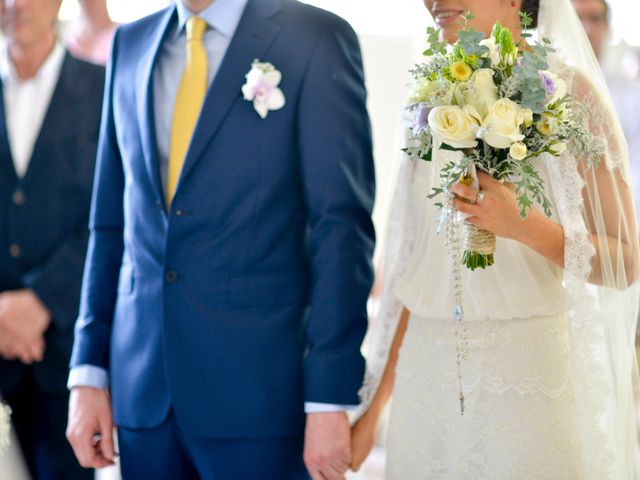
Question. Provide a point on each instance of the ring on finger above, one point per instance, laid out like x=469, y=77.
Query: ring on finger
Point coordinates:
x=480, y=196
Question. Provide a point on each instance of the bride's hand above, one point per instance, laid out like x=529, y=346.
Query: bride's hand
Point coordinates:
x=363, y=438
x=497, y=212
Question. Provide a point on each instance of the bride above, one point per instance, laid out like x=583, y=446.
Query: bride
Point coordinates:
x=551, y=366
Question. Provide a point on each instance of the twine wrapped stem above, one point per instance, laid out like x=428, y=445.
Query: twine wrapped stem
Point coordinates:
x=479, y=247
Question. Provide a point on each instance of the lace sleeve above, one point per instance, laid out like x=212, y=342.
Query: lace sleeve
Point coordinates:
x=397, y=252
x=606, y=194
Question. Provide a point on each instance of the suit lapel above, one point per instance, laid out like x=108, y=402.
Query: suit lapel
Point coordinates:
x=6, y=159
x=144, y=102
x=253, y=36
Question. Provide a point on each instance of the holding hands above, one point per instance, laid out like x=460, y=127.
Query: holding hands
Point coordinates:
x=363, y=438
x=327, y=452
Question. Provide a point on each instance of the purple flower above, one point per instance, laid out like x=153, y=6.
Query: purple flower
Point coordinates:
x=548, y=84
x=420, y=118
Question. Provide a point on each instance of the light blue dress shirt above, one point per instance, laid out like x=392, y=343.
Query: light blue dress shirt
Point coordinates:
x=222, y=17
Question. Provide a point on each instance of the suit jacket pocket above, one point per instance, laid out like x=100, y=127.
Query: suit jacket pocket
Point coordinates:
x=268, y=290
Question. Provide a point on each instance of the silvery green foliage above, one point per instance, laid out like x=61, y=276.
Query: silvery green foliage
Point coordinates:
x=469, y=42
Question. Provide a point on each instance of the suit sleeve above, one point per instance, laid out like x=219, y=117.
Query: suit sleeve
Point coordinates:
x=338, y=175
x=104, y=253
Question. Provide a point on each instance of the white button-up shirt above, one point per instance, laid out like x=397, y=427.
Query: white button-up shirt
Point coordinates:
x=26, y=103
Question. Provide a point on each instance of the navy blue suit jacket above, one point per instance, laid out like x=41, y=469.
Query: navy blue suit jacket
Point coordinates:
x=44, y=215
x=248, y=296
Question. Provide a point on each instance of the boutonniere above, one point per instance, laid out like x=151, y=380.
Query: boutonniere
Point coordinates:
x=262, y=88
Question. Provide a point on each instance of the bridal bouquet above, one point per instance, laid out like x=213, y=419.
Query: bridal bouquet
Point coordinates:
x=5, y=427
x=496, y=102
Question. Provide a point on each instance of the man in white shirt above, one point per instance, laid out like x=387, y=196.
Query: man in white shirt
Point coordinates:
x=49, y=119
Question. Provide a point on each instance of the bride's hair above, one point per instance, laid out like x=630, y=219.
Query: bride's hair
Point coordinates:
x=531, y=7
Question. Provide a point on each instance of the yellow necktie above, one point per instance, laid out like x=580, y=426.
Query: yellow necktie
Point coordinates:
x=189, y=99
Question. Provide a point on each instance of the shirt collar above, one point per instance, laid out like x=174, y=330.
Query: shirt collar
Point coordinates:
x=49, y=67
x=222, y=15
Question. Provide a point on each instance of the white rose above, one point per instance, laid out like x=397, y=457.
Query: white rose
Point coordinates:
x=484, y=92
x=473, y=114
x=501, y=127
x=451, y=125
x=518, y=151
x=494, y=50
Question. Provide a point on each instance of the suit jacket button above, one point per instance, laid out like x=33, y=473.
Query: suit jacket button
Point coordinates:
x=15, y=250
x=170, y=276
x=18, y=197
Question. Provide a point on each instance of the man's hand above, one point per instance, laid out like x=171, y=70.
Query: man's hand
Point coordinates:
x=327, y=445
x=23, y=314
x=90, y=427
x=23, y=321
x=27, y=351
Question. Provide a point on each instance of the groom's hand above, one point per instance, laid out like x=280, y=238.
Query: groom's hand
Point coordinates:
x=90, y=427
x=327, y=445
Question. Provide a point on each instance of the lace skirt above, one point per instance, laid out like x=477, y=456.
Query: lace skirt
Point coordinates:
x=519, y=421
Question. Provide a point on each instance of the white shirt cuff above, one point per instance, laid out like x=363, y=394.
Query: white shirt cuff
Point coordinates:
x=313, y=407
x=88, y=376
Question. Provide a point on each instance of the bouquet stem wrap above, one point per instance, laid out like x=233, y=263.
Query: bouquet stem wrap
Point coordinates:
x=479, y=247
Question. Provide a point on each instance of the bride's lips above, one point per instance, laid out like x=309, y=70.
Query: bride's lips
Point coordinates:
x=447, y=17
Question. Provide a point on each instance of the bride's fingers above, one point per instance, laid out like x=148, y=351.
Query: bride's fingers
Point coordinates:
x=486, y=181
x=464, y=207
x=477, y=222
x=465, y=192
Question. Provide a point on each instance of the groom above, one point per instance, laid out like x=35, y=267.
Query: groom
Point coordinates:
x=229, y=261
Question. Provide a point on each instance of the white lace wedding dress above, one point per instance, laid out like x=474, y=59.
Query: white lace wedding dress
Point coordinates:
x=551, y=374
x=520, y=421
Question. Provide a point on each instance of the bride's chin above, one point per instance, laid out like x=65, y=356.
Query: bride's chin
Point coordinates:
x=450, y=35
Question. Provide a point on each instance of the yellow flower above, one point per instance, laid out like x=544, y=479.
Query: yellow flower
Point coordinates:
x=460, y=71
x=547, y=125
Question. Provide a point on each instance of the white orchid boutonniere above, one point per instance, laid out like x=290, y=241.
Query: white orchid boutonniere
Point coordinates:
x=262, y=88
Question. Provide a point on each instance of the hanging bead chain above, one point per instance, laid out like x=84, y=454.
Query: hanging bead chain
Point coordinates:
x=454, y=248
